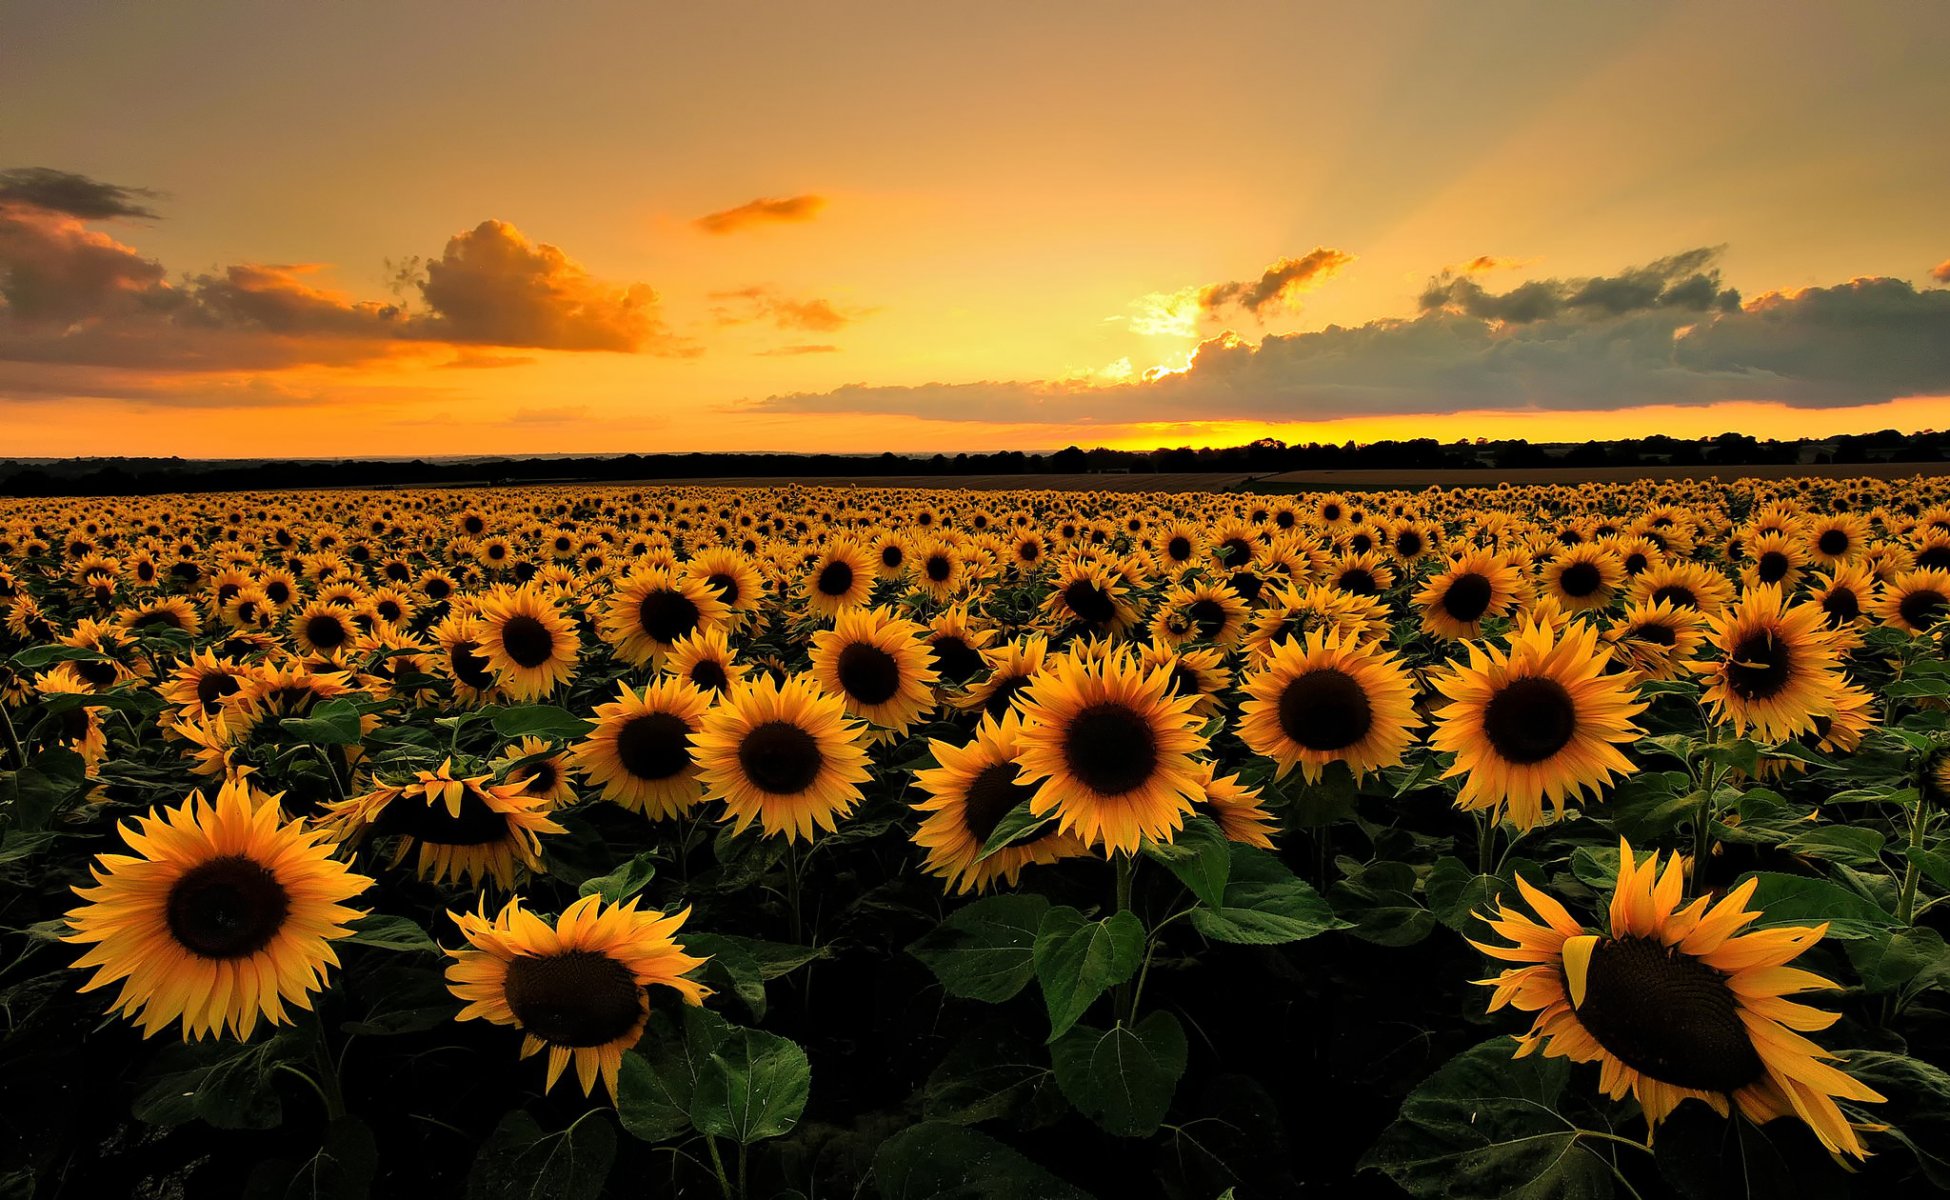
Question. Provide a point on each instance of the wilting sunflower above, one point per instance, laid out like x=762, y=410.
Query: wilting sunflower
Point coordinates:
x=1112, y=749
x=968, y=795
x=653, y=609
x=223, y=914
x=1479, y=585
x=1541, y=722
x=878, y=664
x=1237, y=810
x=640, y=750
x=1328, y=699
x=540, y=769
x=1677, y=1003
x=80, y=728
x=1685, y=584
x=577, y=989
x=459, y=636
x=840, y=578
x=784, y=755
x=467, y=829
x=1657, y=640
x=1915, y=600
x=1778, y=669
x=529, y=645
x=1014, y=664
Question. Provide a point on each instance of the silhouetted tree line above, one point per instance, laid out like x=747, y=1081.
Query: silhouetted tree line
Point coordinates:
x=143, y=476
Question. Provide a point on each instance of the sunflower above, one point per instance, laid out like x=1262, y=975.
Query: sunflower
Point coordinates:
x=223, y=914
x=652, y=609
x=1365, y=573
x=1676, y=1003
x=783, y=755
x=1089, y=597
x=940, y=571
x=1657, y=640
x=955, y=646
x=529, y=645
x=540, y=769
x=1180, y=547
x=168, y=612
x=201, y=684
x=1200, y=673
x=840, y=578
x=969, y=793
x=1014, y=664
x=459, y=637
x=731, y=576
x=1238, y=811
x=879, y=665
x=1541, y=722
x=1846, y=595
x=577, y=989
x=1327, y=699
x=1112, y=749
x=1778, y=558
x=78, y=729
x=1778, y=669
x=706, y=660
x=1479, y=585
x=640, y=751
x=1685, y=584
x=1207, y=612
x=1584, y=578
x=467, y=829
x=1915, y=600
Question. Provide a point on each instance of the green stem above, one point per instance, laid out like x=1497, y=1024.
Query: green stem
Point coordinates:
x=328, y=1073
x=1486, y=842
x=13, y=740
x=743, y=1151
x=1144, y=973
x=1703, y=827
x=792, y=891
x=717, y=1165
x=1906, y=904
x=1120, y=1002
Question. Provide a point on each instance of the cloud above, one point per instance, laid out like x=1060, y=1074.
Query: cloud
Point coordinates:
x=787, y=351
x=1278, y=287
x=1487, y=262
x=759, y=303
x=72, y=294
x=1941, y=272
x=760, y=212
x=75, y=195
x=1665, y=333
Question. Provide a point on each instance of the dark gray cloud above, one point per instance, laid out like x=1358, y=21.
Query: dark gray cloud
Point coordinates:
x=75, y=195
x=1668, y=333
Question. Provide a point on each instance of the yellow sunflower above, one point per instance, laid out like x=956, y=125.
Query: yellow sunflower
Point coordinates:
x=878, y=664
x=466, y=829
x=1014, y=664
x=540, y=769
x=640, y=751
x=1915, y=600
x=1676, y=1003
x=1328, y=699
x=1112, y=749
x=1541, y=722
x=1237, y=810
x=529, y=645
x=784, y=755
x=840, y=578
x=653, y=609
x=1657, y=640
x=1480, y=585
x=706, y=660
x=969, y=793
x=576, y=990
x=1778, y=669
x=223, y=914
x=1584, y=577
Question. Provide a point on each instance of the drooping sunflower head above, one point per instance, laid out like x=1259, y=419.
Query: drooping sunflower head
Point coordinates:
x=1326, y=699
x=1012, y=666
x=223, y=914
x=464, y=828
x=576, y=989
x=461, y=659
x=1676, y=1003
x=1237, y=810
x=1657, y=640
x=783, y=755
x=541, y=769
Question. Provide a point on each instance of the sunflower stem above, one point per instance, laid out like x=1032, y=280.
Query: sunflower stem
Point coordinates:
x=792, y=890
x=13, y=740
x=717, y=1165
x=1123, y=1004
x=328, y=1073
x=1906, y=903
x=1486, y=841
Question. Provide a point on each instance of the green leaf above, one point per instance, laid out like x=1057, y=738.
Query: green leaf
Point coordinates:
x=386, y=932
x=1200, y=856
x=985, y=951
x=1380, y=901
x=1798, y=900
x=1918, y=1107
x=741, y=965
x=655, y=1085
x=755, y=1087
x=1934, y=864
x=36, y=794
x=1123, y=1078
x=1596, y=867
x=1078, y=960
x=625, y=881
x=1265, y=904
x=1851, y=844
x=936, y=1161
x=990, y=1075
x=1901, y=960
x=1707, y=1157
x=223, y=1083
x=541, y=720
x=1016, y=825
x=1742, y=754
x=342, y=1169
x=1456, y=893
x=520, y=1162
x=1485, y=1125
x=1319, y=804
x=331, y=723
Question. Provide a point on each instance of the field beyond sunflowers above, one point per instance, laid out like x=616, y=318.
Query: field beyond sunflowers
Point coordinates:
x=568, y=842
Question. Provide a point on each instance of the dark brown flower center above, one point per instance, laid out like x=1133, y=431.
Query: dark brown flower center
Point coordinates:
x=709, y=674
x=1210, y=616
x=1580, y=580
x=654, y=745
x=992, y=795
x=1921, y=607
x=939, y=568
x=1325, y=710
x=579, y=998
x=1090, y=603
x=1530, y=719
x=780, y=758
x=412, y=815
x=1677, y=595
x=1110, y=749
x=1358, y=580
x=1467, y=597
x=954, y=659
x=1832, y=542
x=1760, y=666
x=1772, y=567
x=835, y=578
x=1178, y=549
x=868, y=674
x=1667, y=1015
x=1842, y=606
x=1662, y=635
x=666, y=615
x=527, y=640
x=470, y=668
x=212, y=688
x=1004, y=695
x=228, y=907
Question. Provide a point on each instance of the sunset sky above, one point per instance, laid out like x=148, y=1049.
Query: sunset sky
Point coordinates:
x=435, y=228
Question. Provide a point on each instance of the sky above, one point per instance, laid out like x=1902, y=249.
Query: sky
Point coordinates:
x=248, y=229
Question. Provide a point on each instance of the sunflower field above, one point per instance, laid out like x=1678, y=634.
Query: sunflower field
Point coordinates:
x=796, y=842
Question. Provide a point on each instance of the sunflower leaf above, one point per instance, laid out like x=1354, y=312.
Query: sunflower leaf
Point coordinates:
x=333, y=722
x=387, y=932
x=1486, y=1125
x=1016, y=825
x=1265, y=904
x=520, y=1162
x=754, y=1087
x=1123, y=1078
x=540, y=720
x=1200, y=856
x=1918, y=1108
x=625, y=881
x=1078, y=960
x=1784, y=899
x=987, y=950
x=223, y=1083
x=939, y=1161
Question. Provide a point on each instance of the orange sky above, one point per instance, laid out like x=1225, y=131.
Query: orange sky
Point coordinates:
x=274, y=229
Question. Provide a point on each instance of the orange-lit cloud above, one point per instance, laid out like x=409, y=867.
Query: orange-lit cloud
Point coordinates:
x=804, y=348
x=761, y=212
x=1941, y=272
x=1487, y=262
x=1277, y=288
x=759, y=303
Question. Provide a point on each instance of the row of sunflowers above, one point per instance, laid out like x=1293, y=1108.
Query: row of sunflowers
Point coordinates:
x=797, y=841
